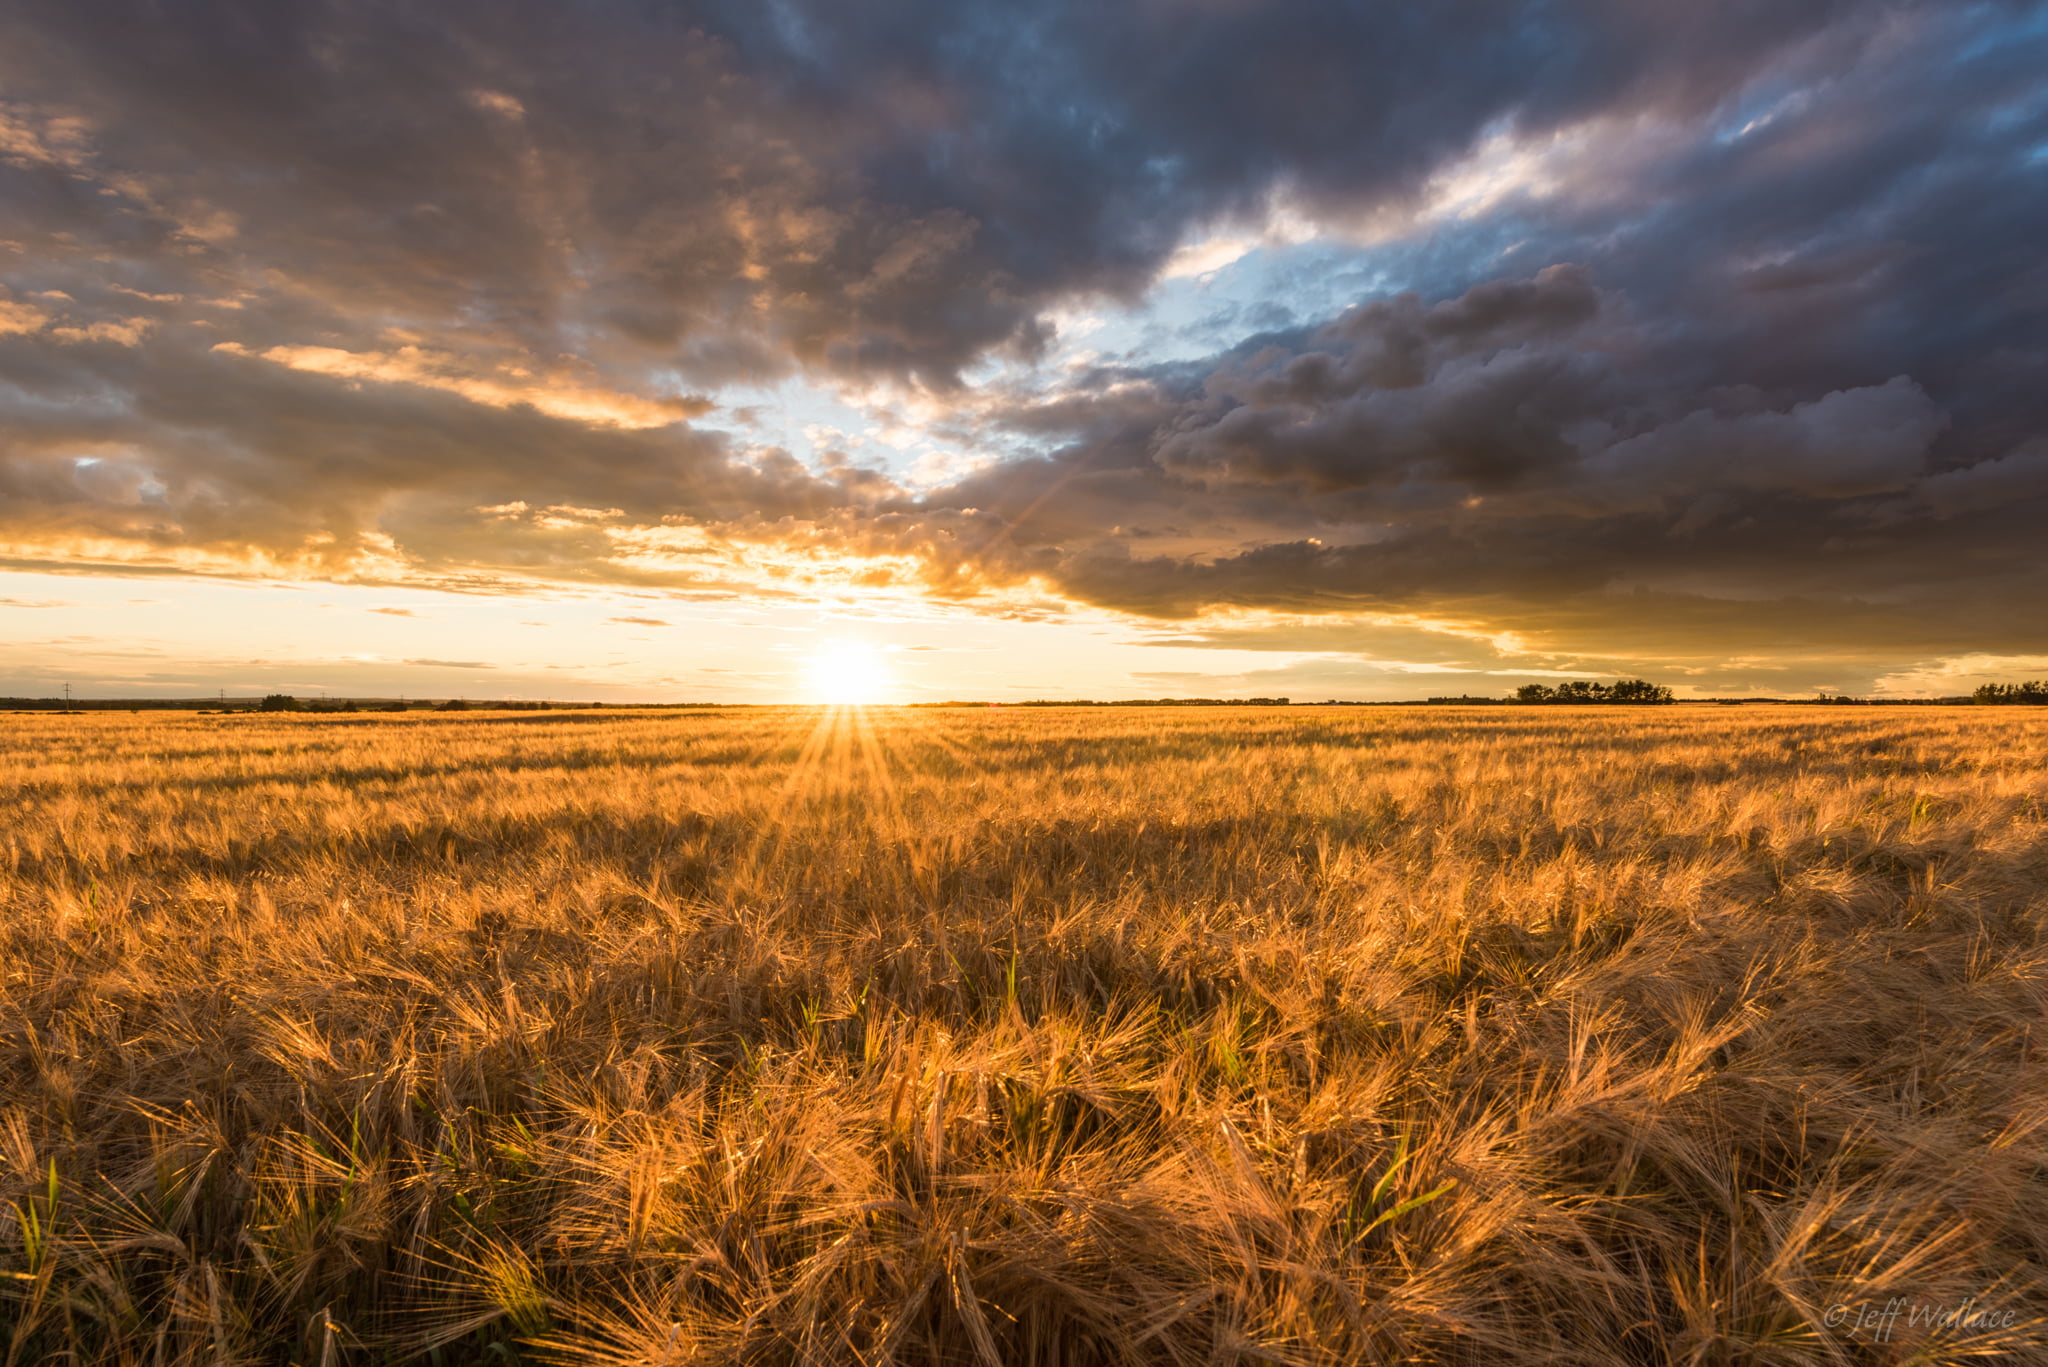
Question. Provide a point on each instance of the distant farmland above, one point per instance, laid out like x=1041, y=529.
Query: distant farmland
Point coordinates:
x=1440, y=1035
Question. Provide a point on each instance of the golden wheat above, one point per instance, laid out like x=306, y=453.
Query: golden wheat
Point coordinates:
x=1053, y=1036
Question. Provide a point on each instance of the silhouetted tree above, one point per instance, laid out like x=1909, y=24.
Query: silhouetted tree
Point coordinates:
x=279, y=702
x=1638, y=691
x=2033, y=693
x=1631, y=691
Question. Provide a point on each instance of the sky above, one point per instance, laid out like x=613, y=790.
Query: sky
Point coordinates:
x=631, y=351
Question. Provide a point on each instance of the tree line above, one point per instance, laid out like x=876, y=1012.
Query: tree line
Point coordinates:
x=1636, y=691
x=2033, y=693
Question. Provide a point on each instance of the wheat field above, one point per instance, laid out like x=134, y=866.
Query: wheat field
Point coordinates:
x=1278, y=1035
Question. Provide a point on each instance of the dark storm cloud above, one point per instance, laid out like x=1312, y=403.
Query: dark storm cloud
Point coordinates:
x=892, y=186
x=1785, y=397
x=1746, y=313
x=1530, y=454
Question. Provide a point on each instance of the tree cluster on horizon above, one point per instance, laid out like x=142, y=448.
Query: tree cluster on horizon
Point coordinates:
x=1581, y=691
x=2034, y=692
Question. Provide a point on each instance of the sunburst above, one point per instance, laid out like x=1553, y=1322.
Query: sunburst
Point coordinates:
x=850, y=674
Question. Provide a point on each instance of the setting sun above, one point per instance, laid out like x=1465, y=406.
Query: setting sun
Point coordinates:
x=849, y=673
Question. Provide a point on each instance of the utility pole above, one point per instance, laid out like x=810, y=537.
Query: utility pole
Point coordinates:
x=67, y=695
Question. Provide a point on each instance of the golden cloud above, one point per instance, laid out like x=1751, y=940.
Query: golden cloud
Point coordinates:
x=126, y=332
x=508, y=387
x=20, y=319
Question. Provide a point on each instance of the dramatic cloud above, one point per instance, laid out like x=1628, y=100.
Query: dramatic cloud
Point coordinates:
x=1489, y=336
x=410, y=366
